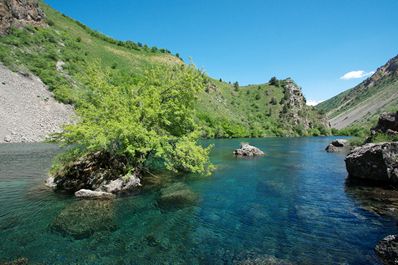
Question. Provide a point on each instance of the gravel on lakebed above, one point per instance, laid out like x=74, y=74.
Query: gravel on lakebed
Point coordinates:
x=28, y=110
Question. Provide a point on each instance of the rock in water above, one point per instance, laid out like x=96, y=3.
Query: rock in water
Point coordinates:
x=83, y=218
x=92, y=194
x=374, y=162
x=177, y=195
x=248, y=150
x=337, y=145
x=264, y=260
x=387, y=249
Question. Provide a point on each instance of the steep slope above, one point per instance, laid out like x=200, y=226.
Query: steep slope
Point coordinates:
x=361, y=105
x=59, y=49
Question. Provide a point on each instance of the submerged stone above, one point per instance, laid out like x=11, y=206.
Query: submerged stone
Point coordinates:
x=20, y=261
x=264, y=260
x=83, y=218
x=177, y=195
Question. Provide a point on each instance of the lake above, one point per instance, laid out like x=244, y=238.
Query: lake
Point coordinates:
x=291, y=205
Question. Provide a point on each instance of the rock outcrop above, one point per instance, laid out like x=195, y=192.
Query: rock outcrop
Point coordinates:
x=18, y=13
x=374, y=162
x=97, y=171
x=337, y=145
x=387, y=250
x=388, y=123
x=93, y=194
x=248, y=150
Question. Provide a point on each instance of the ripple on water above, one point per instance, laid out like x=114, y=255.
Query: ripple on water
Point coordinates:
x=291, y=206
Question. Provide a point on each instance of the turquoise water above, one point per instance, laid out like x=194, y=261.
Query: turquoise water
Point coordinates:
x=291, y=204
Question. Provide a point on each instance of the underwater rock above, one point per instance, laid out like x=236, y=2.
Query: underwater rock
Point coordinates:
x=387, y=249
x=374, y=162
x=92, y=194
x=83, y=218
x=20, y=261
x=177, y=195
x=337, y=145
x=264, y=260
x=248, y=150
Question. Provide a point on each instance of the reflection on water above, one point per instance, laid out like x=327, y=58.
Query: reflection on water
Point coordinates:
x=291, y=206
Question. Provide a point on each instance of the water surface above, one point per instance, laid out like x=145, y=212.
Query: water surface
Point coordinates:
x=291, y=204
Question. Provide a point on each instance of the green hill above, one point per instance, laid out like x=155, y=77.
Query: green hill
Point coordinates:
x=59, y=51
x=360, y=106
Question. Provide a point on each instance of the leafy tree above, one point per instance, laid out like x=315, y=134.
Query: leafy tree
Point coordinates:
x=274, y=81
x=141, y=120
x=273, y=101
x=236, y=86
x=258, y=97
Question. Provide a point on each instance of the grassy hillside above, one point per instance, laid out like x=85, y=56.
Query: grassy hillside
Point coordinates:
x=60, y=52
x=360, y=106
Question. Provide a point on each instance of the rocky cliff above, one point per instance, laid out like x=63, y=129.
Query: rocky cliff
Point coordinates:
x=17, y=13
x=363, y=103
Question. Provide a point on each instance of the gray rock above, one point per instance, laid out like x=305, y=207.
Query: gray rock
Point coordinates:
x=7, y=139
x=127, y=183
x=91, y=194
x=248, y=150
x=337, y=145
x=374, y=162
x=387, y=249
x=50, y=183
x=264, y=260
x=387, y=121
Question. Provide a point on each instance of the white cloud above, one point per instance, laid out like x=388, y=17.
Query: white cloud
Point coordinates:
x=312, y=102
x=356, y=74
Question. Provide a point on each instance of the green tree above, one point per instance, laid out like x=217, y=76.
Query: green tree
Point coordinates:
x=141, y=120
x=236, y=86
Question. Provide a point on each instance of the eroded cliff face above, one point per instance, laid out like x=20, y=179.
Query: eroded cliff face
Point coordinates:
x=18, y=13
x=295, y=111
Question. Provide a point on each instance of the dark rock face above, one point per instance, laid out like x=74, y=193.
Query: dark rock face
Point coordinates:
x=83, y=218
x=248, y=150
x=388, y=122
x=387, y=249
x=374, y=162
x=177, y=195
x=17, y=13
x=90, y=172
x=337, y=146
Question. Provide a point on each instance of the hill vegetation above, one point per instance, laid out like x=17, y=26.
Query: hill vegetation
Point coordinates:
x=354, y=111
x=60, y=53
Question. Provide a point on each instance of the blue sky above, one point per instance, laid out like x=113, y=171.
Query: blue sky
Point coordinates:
x=249, y=41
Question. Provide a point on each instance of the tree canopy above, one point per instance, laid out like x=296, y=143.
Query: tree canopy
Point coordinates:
x=141, y=118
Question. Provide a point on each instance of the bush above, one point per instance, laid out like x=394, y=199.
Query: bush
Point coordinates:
x=149, y=119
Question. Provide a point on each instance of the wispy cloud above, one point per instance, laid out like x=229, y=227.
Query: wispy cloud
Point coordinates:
x=356, y=74
x=312, y=102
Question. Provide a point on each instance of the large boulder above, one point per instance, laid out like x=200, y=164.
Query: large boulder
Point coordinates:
x=125, y=184
x=337, y=145
x=374, y=162
x=93, y=194
x=387, y=122
x=387, y=249
x=248, y=150
x=177, y=195
x=92, y=172
x=83, y=218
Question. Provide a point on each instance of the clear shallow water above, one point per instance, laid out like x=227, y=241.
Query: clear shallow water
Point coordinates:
x=292, y=204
